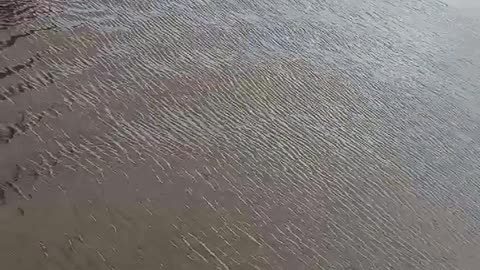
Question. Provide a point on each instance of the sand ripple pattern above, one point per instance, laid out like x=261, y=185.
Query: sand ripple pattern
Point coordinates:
x=208, y=134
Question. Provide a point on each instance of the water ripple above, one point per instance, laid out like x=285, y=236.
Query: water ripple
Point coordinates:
x=237, y=134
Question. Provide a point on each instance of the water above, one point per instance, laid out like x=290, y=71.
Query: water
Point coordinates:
x=268, y=134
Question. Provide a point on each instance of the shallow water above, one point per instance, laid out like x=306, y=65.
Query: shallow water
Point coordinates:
x=208, y=134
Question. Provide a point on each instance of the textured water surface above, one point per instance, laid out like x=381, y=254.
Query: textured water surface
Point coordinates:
x=238, y=135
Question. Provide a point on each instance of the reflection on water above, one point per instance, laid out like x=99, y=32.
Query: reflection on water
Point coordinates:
x=238, y=135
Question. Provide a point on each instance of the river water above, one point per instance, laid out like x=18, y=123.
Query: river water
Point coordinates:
x=238, y=135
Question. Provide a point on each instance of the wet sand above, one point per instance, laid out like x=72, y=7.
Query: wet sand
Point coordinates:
x=239, y=135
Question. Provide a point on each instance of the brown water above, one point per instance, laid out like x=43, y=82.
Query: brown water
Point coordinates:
x=234, y=134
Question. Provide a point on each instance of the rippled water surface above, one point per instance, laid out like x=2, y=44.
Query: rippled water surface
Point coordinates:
x=238, y=135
